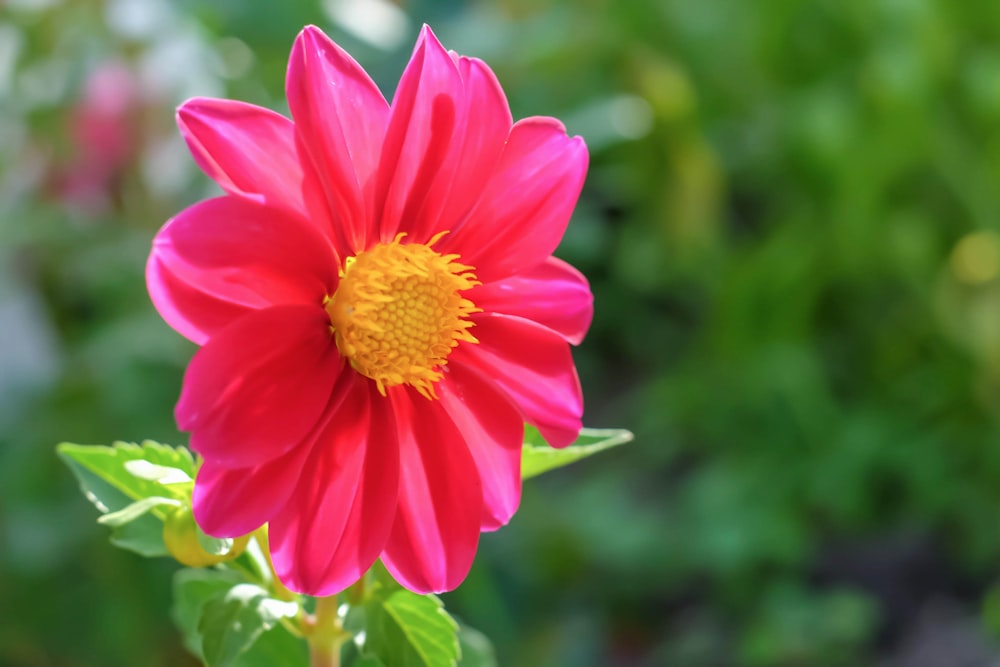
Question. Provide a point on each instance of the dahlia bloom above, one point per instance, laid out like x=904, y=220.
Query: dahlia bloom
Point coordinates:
x=379, y=313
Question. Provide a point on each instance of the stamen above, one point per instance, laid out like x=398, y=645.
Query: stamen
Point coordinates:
x=398, y=313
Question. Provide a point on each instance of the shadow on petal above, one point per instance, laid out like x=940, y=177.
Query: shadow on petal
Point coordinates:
x=436, y=531
x=339, y=516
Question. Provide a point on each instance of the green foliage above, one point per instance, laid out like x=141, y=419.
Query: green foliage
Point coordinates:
x=411, y=630
x=133, y=486
x=231, y=616
x=397, y=627
x=991, y=611
x=232, y=623
x=192, y=589
x=476, y=648
x=130, y=513
x=135, y=472
x=366, y=661
x=821, y=630
x=538, y=457
x=131, y=529
x=142, y=535
x=208, y=602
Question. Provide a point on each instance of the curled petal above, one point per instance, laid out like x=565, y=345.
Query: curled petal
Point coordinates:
x=553, y=294
x=484, y=123
x=494, y=433
x=233, y=502
x=259, y=386
x=249, y=151
x=533, y=365
x=340, y=513
x=436, y=531
x=526, y=205
x=422, y=124
x=447, y=128
x=224, y=257
x=340, y=118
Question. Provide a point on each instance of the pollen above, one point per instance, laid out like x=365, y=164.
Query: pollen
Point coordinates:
x=399, y=312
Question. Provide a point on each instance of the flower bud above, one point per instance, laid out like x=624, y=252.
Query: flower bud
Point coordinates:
x=180, y=535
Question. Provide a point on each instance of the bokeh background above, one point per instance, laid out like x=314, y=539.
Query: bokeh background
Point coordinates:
x=791, y=228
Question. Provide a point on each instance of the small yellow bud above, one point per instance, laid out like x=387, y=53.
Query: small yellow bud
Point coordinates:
x=180, y=534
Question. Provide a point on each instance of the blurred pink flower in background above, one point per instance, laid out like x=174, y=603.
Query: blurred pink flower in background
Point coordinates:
x=379, y=311
x=102, y=130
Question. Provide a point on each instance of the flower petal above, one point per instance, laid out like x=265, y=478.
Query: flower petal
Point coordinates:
x=340, y=118
x=249, y=151
x=340, y=514
x=224, y=257
x=553, y=294
x=191, y=312
x=422, y=125
x=233, y=502
x=258, y=387
x=526, y=205
x=484, y=123
x=447, y=128
x=534, y=366
x=436, y=531
x=494, y=432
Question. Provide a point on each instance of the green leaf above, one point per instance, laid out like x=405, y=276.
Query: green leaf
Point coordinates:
x=477, y=650
x=255, y=563
x=538, y=457
x=230, y=625
x=409, y=630
x=133, y=529
x=275, y=648
x=111, y=486
x=143, y=469
x=351, y=656
x=120, y=481
x=143, y=536
x=383, y=583
x=195, y=588
x=130, y=513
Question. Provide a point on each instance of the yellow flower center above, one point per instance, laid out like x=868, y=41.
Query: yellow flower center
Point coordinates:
x=398, y=313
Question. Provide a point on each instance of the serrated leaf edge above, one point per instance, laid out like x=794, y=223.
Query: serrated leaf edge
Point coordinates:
x=66, y=449
x=409, y=631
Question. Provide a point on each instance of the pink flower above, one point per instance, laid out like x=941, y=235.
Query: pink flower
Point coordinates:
x=379, y=310
x=102, y=127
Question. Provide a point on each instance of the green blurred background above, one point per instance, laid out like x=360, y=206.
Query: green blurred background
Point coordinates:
x=792, y=229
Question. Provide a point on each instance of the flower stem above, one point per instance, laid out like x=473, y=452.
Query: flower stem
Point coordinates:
x=327, y=635
x=356, y=593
